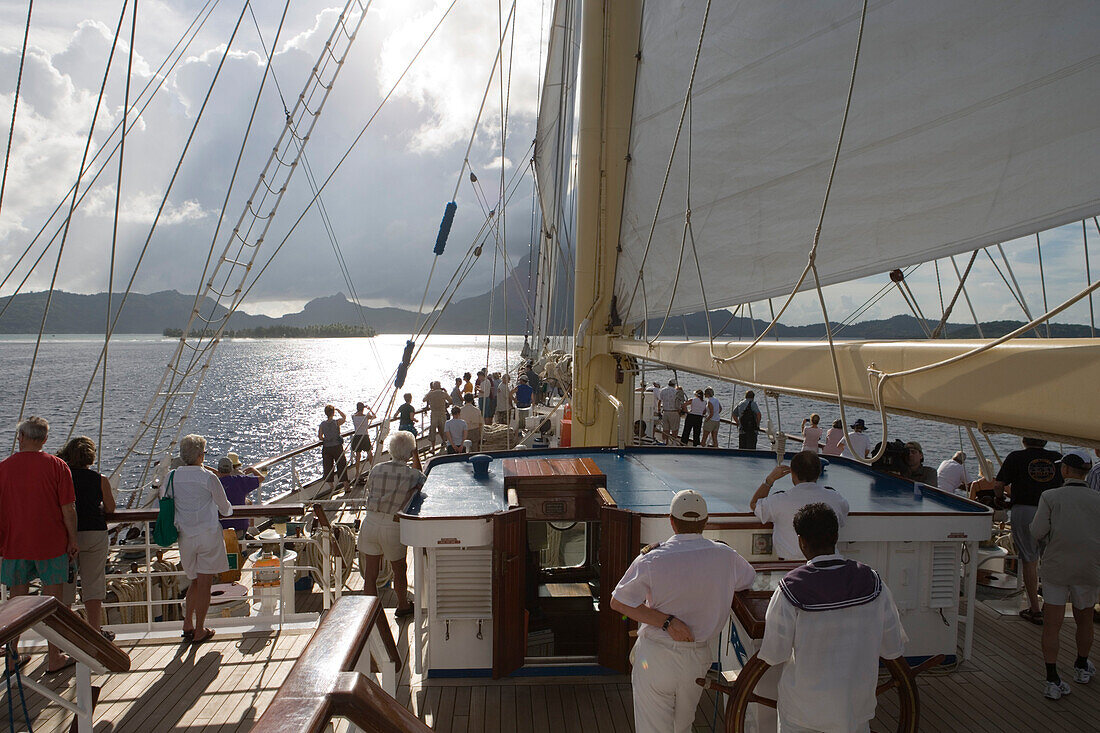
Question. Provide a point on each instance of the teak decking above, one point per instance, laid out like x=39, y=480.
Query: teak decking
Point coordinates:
x=225, y=684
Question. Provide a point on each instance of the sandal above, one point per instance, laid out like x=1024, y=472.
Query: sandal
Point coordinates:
x=404, y=612
x=70, y=662
x=196, y=640
x=188, y=635
x=1035, y=617
x=18, y=665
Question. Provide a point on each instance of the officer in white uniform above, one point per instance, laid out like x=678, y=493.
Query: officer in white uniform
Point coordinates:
x=679, y=591
x=779, y=507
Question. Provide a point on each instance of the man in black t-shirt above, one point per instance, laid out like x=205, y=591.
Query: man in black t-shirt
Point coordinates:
x=1028, y=473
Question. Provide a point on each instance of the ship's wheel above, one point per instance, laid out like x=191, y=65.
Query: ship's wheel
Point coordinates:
x=742, y=691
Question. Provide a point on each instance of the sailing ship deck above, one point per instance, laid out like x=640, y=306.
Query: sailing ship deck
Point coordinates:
x=224, y=685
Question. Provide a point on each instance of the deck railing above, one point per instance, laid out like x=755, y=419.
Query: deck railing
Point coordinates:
x=146, y=606
x=50, y=619
x=334, y=680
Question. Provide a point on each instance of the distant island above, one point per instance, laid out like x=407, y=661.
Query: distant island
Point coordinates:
x=332, y=330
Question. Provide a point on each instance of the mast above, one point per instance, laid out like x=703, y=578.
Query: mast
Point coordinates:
x=610, y=32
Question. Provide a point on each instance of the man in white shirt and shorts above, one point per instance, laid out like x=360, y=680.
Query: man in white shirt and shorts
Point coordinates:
x=679, y=591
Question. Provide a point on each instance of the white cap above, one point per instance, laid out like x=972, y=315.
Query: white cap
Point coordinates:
x=689, y=505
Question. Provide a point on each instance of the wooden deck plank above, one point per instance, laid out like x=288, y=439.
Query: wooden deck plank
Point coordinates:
x=224, y=685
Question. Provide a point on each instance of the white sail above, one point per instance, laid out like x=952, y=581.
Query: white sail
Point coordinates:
x=553, y=152
x=971, y=123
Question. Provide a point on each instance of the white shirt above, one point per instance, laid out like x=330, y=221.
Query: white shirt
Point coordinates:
x=689, y=577
x=779, y=508
x=859, y=442
x=361, y=422
x=951, y=475
x=667, y=396
x=828, y=681
x=697, y=406
x=716, y=408
x=811, y=438
x=1093, y=477
x=199, y=497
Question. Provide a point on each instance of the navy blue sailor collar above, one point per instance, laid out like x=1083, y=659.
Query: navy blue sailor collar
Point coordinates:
x=829, y=582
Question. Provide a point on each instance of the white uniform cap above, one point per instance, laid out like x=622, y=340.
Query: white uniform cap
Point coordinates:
x=689, y=505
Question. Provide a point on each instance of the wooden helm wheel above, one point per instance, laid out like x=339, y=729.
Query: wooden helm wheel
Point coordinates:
x=741, y=692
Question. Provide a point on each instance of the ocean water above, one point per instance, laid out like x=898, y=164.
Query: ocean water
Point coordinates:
x=263, y=397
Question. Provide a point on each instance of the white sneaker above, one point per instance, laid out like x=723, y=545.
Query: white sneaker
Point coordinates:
x=1084, y=675
x=1055, y=690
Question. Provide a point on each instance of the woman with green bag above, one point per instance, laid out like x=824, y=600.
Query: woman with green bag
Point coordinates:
x=199, y=499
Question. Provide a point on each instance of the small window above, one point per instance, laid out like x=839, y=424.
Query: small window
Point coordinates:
x=559, y=544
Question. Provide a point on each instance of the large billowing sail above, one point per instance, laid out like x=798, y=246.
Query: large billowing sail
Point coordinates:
x=553, y=151
x=971, y=123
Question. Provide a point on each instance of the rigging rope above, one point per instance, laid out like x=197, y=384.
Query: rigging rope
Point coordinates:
x=160, y=210
x=1088, y=277
x=159, y=74
x=15, y=102
x=954, y=298
x=72, y=207
x=114, y=232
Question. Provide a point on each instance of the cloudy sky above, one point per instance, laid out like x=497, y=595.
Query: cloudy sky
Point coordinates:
x=386, y=200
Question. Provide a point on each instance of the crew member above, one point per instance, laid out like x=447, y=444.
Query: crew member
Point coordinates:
x=828, y=623
x=679, y=592
x=779, y=507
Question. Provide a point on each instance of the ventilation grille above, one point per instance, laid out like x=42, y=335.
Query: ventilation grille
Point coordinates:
x=945, y=575
x=464, y=583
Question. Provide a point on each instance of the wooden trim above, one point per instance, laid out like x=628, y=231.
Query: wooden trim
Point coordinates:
x=239, y=512
x=19, y=614
x=605, y=497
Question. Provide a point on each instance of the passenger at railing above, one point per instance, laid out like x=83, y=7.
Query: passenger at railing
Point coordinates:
x=360, y=439
x=199, y=499
x=670, y=412
x=953, y=476
x=680, y=592
x=811, y=434
x=238, y=485
x=473, y=418
x=467, y=385
x=456, y=393
x=828, y=624
x=455, y=432
x=504, y=401
x=860, y=444
x=332, y=446
x=390, y=486
x=915, y=470
x=693, y=418
x=483, y=388
x=536, y=383
x=406, y=415
x=93, y=498
x=833, y=438
x=38, y=535
x=438, y=401
x=711, y=420
x=747, y=416
x=780, y=506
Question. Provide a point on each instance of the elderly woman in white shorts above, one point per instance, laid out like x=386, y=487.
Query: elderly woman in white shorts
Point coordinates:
x=390, y=486
x=199, y=499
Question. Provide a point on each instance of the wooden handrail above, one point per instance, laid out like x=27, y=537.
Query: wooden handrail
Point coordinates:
x=324, y=684
x=239, y=512
x=21, y=613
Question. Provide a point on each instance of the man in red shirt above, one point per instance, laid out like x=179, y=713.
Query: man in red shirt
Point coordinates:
x=37, y=522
